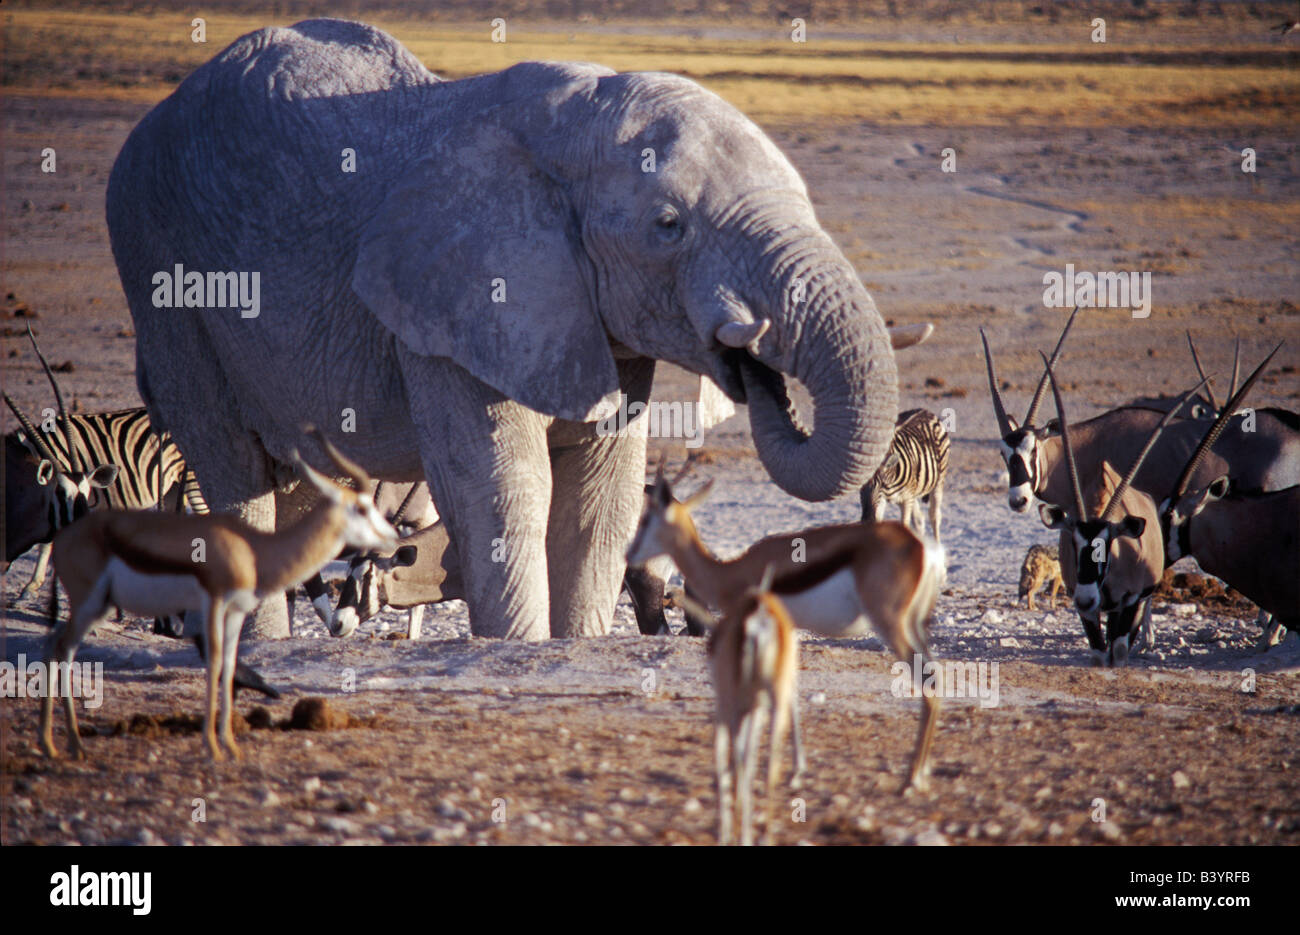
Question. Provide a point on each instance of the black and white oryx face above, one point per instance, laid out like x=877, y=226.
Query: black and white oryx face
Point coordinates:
x=1021, y=451
x=362, y=595
x=1095, y=545
x=1021, y=442
x=1176, y=516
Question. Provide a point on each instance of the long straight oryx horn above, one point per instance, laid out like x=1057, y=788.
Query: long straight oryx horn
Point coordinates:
x=1115, y=497
x=1037, y=401
x=1236, y=366
x=1081, y=513
x=1196, y=359
x=406, y=502
x=73, y=451
x=33, y=433
x=341, y=461
x=1216, y=429
x=1004, y=423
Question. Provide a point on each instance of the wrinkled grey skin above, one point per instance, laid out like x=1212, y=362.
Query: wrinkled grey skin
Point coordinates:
x=376, y=296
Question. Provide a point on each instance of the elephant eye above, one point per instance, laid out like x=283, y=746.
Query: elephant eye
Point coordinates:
x=668, y=226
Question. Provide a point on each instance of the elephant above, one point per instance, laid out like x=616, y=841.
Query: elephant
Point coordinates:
x=459, y=280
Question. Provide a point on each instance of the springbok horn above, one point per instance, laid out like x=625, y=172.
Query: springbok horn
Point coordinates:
x=406, y=502
x=341, y=461
x=1037, y=401
x=1004, y=423
x=1081, y=514
x=769, y=573
x=33, y=433
x=1196, y=359
x=681, y=475
x=73, y=451
x=1114, y=500
x=1216, y=429
x=659, y=470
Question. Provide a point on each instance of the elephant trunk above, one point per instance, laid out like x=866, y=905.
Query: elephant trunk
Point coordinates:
x=837, y=346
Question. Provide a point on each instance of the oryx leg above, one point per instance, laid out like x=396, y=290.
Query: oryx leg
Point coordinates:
x=38, y=575
x=414, y=621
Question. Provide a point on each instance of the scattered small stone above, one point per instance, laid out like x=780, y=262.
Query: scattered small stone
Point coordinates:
x=339, y=825
x=992, y=616
x=817, y=698
x=1009, y=642
x=1109, y=831
x=312, y=784
x=1055, y=830
x=268, y=798
x=930, y=838
x=1180, y=780
x=691, y=806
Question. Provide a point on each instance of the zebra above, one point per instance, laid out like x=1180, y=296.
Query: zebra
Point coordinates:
x=913, y=470
x=148, y=468
x=47, y=486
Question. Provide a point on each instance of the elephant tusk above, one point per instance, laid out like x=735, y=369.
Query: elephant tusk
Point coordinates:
x=739, y=334
x=901, y=336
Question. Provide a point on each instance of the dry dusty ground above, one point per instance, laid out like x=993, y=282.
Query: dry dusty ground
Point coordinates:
x=608, y=740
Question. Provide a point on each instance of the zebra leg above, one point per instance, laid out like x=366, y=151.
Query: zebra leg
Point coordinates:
x=38, y=576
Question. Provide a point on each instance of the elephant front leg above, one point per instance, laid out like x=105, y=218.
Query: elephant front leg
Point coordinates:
x=487, y=464
x=598, y=488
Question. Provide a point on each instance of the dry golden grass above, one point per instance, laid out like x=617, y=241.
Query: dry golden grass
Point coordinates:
x=143, y=56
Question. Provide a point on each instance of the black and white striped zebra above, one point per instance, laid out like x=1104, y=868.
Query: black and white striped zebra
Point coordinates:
x=913, y=470
x=148, y=468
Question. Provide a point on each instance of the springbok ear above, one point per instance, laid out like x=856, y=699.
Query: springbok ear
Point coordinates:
x=44, y=472
x=695, y=499
x=103, y=476
x=1053, y=516
x=475, y=255
x=1219, y=488
x=1131, y=526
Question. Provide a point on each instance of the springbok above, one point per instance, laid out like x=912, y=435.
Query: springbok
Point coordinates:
x=754, y=657
x=1265, y=458
x=1113, y=560
x=1249, y=540
x=154, y=563
x=833, y=580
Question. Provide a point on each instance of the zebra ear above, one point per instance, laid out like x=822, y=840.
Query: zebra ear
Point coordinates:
x=44, y=472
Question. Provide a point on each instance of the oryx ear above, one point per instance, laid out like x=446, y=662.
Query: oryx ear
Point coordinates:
x=405, y=556
x=103, y=476
x=1013, y=423
x=1131, y=526
x=1053, y=516
x=44, y=472
x=1219, y=488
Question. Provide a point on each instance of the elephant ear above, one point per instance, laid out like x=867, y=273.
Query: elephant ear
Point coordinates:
x=475, y=255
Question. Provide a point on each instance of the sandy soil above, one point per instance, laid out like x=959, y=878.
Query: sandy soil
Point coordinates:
x=608, y=740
